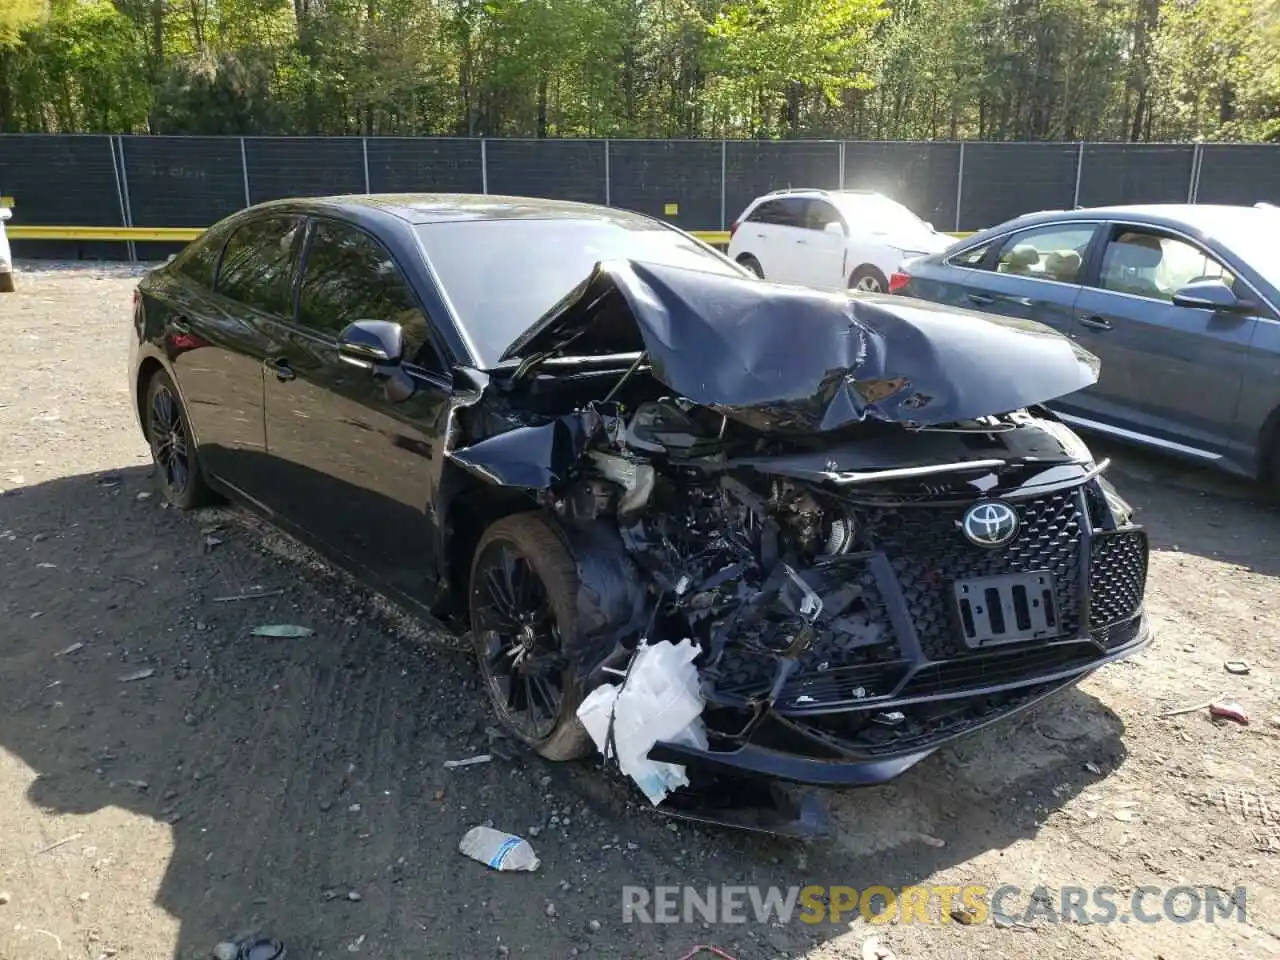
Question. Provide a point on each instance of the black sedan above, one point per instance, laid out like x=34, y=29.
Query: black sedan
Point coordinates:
x=574, y=428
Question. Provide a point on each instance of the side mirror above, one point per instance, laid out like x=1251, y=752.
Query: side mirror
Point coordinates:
x=1211, y=295
x=371, y=343
x=834, y=226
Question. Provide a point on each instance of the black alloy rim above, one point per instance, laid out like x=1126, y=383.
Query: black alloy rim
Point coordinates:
x=519, y=642
x=169, y=440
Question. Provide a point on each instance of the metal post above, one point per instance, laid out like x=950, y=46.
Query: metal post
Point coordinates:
x=122, y=192
x=1193, y=185
x=959, y=185
x=364, y=151
x=1075, y=200
x=484, y=166
x=724, y=213
x=840, y=164
x=608, y=198
x=244, y=168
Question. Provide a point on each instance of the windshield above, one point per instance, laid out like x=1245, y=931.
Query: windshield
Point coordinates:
x=501, y=276
x=877, y=214
x=1253, y=239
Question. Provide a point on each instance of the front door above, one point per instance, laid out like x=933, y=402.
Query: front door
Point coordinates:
x=353, y=466
x=1169, y=373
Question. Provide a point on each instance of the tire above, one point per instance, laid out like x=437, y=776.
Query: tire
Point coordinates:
x=869, y=280
x=523, y=602
x=173, y=449
x=752, y=264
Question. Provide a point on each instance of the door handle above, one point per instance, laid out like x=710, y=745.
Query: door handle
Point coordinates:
x=981, y=299
x=1095, y=323
x=280, y=367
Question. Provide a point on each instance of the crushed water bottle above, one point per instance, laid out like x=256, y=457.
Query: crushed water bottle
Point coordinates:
x=498, y=850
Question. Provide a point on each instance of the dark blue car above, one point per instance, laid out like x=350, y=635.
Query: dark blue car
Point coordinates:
x=1179, y=302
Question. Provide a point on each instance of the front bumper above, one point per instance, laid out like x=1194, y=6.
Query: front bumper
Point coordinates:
x=859, y=718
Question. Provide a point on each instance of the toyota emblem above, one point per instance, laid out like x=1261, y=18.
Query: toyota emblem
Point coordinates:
x=990, y=524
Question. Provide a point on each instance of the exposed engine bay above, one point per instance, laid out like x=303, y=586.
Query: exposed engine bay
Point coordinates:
x=873, y=546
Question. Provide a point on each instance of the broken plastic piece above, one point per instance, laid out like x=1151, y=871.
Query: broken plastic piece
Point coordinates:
x=660, y=699
x=1229, y=710
x=498, y=850
x=282, y=631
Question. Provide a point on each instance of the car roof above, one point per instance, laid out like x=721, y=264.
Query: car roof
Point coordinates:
x=423, y=208
x=1210, y=219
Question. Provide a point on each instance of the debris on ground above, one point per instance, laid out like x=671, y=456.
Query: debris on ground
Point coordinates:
x=60, y=843
x=468, y=762
x=251, y=595
x=1229, y=710
x=355, y=945
x=282, y=631
x=873, y=949
x=659, y=699
x=226, y=951
x=498, y=850
x=143, y=495
x=1194, y=708
x=354, y=896
x=1093, y=768
x=137, y=675
x=211, y=542
x=69, y=650
x=5, y=897
x=932, y=841
x=1237, y=667
x=714, y=951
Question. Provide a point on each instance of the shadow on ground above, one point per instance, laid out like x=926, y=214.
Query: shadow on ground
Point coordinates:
x=291, y=772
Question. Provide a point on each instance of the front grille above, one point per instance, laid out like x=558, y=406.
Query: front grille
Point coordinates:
x=928, y=553
x=1117, y=576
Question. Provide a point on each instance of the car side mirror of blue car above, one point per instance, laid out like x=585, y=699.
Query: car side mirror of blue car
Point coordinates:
x=1211, y=295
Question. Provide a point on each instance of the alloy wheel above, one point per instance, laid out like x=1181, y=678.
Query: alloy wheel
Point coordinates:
x=170, y=445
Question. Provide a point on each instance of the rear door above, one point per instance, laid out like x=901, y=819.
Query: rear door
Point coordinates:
x=1170, y=374
x=352, y=466
x=219, y=369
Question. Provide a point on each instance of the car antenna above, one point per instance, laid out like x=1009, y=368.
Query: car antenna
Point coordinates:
x=644, y=354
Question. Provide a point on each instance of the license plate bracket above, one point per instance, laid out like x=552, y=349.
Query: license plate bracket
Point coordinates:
x=1011, y=608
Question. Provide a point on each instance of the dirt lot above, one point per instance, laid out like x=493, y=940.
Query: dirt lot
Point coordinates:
x=296, y=786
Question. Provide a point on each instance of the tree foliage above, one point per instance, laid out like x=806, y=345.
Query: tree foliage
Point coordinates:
x=897, y=69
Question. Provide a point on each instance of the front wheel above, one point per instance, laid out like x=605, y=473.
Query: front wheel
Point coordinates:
x=523, y=598
x=752, y=264
x=868, y=279
x=173, y=447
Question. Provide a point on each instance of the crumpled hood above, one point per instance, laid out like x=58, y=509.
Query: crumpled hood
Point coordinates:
x=787, y=359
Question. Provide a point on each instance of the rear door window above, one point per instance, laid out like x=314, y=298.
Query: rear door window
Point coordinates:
x=350, y=276
x=260, y=262
x=1054, y=252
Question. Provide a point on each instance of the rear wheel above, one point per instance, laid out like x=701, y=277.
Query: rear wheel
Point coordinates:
x=523, y=597
x=752, y=264
x=869, y=279
x=172, y=446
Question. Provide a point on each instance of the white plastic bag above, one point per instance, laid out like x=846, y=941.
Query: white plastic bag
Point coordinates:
x=660, y=700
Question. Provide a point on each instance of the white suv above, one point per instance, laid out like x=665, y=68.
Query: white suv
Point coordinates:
x=830, y=239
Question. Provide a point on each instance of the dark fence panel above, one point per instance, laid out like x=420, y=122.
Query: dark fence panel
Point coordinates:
x=1005, y=180
x=1239, y=173
x=556, y=169
x=753, y=167
x=648, y=175
x=303, y=167
x=62, y=180
x=921, y=176
x=420, y=165
x=183, y=181
x=1135, y=173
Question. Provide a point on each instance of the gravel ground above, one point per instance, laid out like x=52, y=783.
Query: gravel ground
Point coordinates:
x=297, y=787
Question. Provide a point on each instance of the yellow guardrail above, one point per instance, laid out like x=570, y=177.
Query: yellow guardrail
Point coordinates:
x=186, y=234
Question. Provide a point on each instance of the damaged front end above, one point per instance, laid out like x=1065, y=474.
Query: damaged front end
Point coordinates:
x=851, y=509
